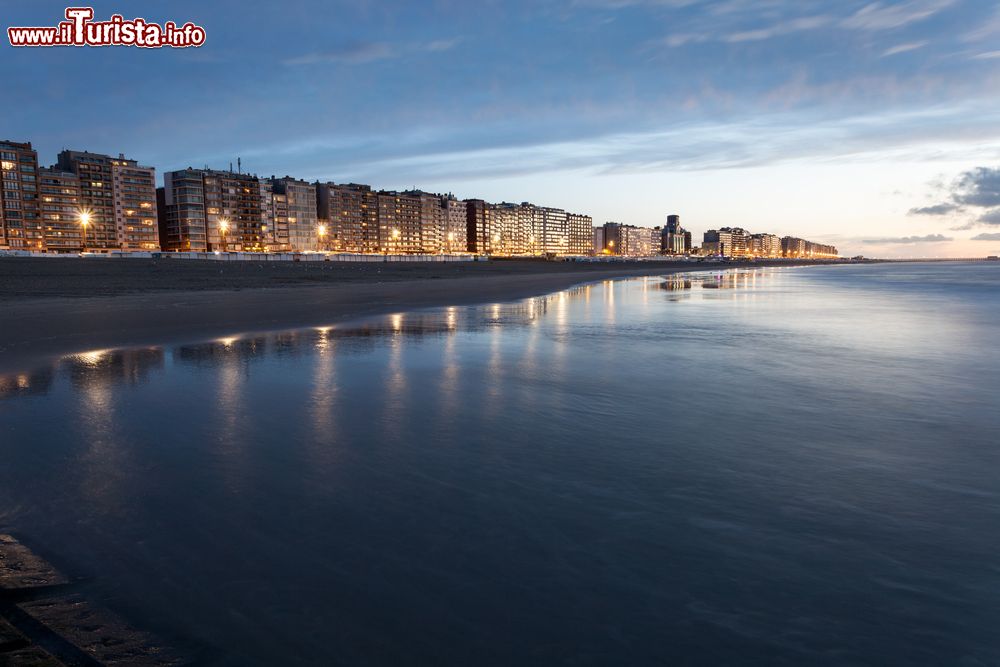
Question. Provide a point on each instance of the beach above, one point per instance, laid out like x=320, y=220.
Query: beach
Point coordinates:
x=60, y=306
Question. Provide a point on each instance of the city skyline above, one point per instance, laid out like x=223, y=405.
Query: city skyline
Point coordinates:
x=870, y=126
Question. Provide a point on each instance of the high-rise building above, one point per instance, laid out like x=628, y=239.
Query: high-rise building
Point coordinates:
x=351, y=212
x=477, y=232
x=433, y=220
x=599, y=245
x=727, y=242
x=120, y=197
x=580, y=234
x=181, y=211
x=800, y=248
x=765, y=245
x=20, y=222
x=630, y=240
x=206, y=209
x=301, y=219
x=455, y=225
x=399, y=228
x=59, y=205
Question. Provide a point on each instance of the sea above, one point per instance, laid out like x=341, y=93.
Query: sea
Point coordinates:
x=774, y=466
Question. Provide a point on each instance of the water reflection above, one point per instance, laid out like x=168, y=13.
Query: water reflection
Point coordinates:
x=578, y=477
x=135, y=366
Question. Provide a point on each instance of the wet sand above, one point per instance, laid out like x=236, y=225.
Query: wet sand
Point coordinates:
x=53, y=307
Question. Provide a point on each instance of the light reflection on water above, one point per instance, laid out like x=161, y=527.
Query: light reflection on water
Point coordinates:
x=788, y=466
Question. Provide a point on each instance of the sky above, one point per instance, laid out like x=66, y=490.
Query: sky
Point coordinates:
x=874, y=126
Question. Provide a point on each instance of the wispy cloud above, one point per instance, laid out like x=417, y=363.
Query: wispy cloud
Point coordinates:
x=350, y=54
x=368, y=52
x=936, y=209
x=776, y=30
x=741, y=22
x=987, y=55
x=903, y=48
x=986, y=237
x=930, y=238
x=886, y=16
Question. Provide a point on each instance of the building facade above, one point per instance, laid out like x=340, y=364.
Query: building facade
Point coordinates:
x=351, y=213
x=119, y=196
x=59, y=204
x=299, y=221
x=208, y=210
x=20, y=222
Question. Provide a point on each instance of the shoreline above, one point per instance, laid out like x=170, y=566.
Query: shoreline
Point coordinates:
x=40, y=329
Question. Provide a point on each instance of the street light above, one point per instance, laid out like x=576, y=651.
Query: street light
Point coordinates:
x=395, y=240
x=451, y=239
x=321, y=232
x=84, y=221
x=223, y=228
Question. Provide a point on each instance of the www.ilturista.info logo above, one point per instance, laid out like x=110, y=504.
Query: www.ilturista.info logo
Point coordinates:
x=79, y=29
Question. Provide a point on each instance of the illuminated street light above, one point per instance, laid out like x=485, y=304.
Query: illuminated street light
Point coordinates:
x=321, y=232
x=223, y=229
x=84, y=221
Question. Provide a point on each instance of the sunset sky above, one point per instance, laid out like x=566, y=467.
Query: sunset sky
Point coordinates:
x=874, y=126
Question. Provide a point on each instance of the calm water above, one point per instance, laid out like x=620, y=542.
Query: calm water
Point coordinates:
x=779, y=466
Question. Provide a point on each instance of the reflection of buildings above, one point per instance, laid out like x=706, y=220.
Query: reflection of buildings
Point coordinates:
x=675, y=283
x=26, y=384
x=111, y=367
x=96, y=369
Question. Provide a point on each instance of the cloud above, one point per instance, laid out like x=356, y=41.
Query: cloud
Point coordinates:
x=903, y=48
x=350, y=54
x=978, y=187
x=986, y=237
x=368, y=52
x=991, y=217
x=987, y=55
x=882, y=16
x=440, y=45
x=930, y=238
x=782, y=28
x=740, y=22
x=936, y=209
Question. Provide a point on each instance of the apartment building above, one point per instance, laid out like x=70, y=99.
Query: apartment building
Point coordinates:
x=20, y=223
x=59, y=207
x=119, y=196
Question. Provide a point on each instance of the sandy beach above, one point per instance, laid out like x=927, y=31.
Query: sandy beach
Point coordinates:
x=53, y=307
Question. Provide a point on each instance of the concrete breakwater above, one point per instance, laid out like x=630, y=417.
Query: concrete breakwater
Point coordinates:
x=46, y=622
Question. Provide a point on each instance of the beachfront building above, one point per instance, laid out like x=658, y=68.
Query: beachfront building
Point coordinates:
x=59, y=206
x=598, y=240
x=399, y=223
x=727, y=242
x=675, y=239
x=455, y=218
x=274, y=218
x=296, y=213
x=579, y=233
x=20, y=223
x=765, y=245
x=119, y=196
x=800, y=248
x=351, y=213
x=209, y=210
x=630, y=240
